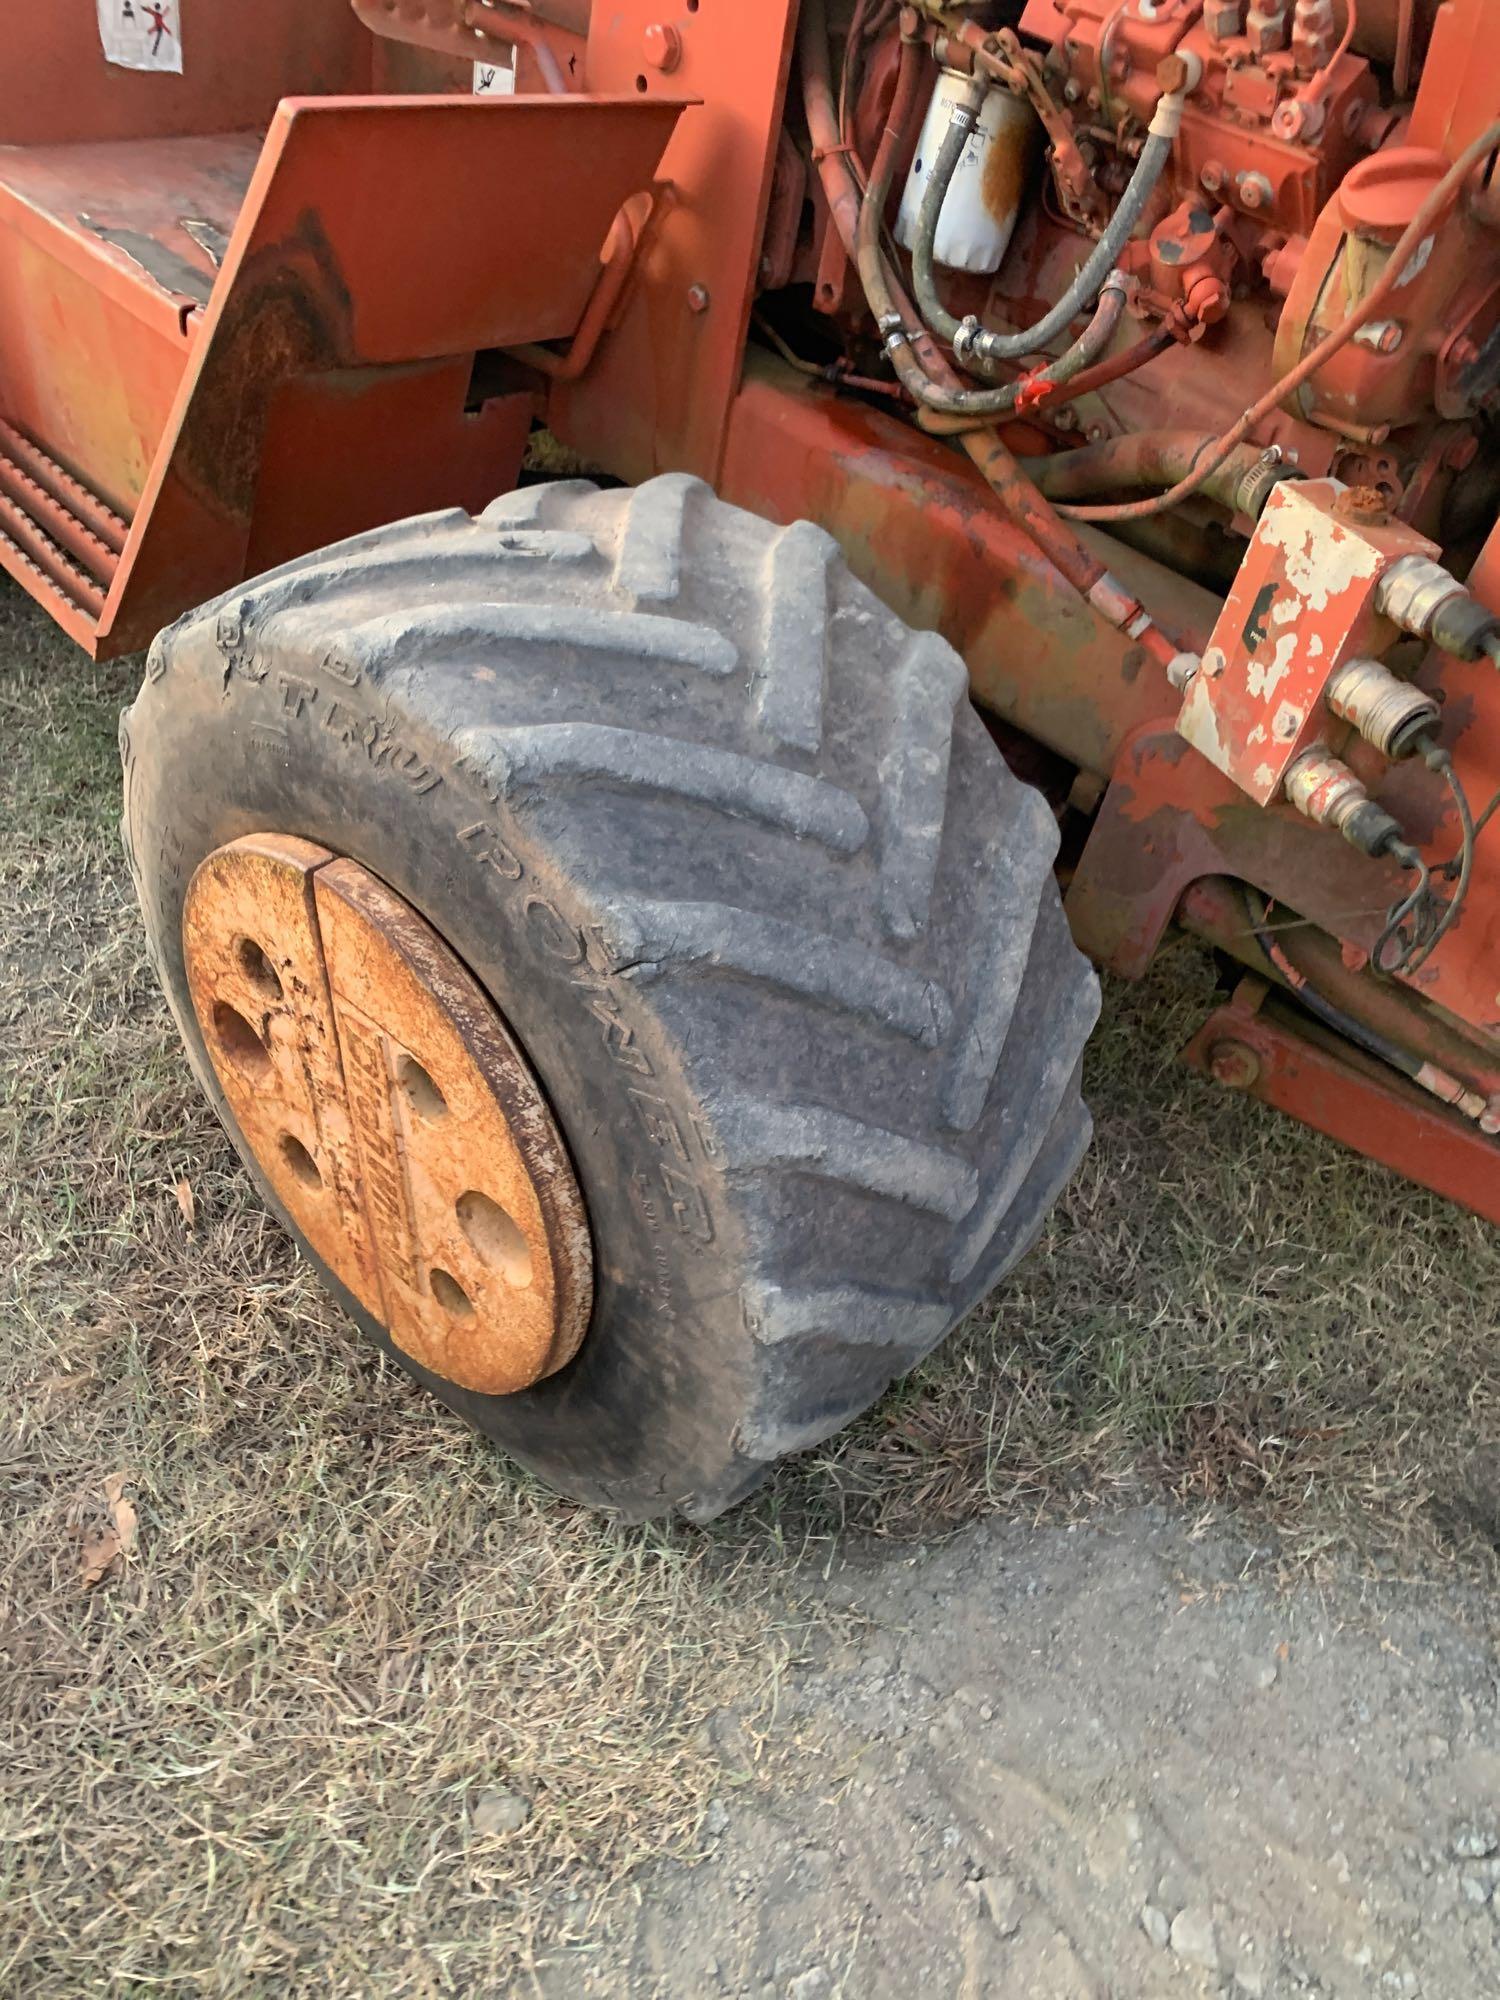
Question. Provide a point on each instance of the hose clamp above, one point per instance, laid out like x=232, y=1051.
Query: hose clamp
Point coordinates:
x=965, y=340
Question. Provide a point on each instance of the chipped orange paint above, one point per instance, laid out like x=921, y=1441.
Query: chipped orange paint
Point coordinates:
x=391, y=1110
x=1301, y=605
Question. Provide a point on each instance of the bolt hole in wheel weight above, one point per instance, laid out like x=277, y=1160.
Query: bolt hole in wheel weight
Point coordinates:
x=450, y=1294
x=300, y=1163
x=239, y=1042
x=258, y=969
x=496, y=1239
x=392, y=1111
x=422, y=1094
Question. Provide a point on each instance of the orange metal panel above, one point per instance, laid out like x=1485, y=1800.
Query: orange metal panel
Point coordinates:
x=375, y=231
x=347, y=450
x=238, y=62
x=658, y=396
x=450, y=223
x=107, y=250
x=79, y=370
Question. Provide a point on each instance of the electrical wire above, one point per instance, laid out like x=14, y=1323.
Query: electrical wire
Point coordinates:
x=1316, y=1003
x=1413, y=908
x=1437, y=759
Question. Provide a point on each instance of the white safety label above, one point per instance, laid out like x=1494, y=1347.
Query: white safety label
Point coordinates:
x=142, y=34
x=493, y=79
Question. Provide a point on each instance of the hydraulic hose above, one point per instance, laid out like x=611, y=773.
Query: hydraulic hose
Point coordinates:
x=987, y=404
x=1032, y=399
x=974, y=345
x=961, y=123
x=948, y=397
x=914, y=353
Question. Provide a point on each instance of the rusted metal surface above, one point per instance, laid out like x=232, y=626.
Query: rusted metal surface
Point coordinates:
x=349, y=264
x=920, y=526
x=1252, y=1046
x=389, y=1106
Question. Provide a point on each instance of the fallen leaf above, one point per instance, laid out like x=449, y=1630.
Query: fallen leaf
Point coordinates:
x=107, y=1544
x=186, y=1202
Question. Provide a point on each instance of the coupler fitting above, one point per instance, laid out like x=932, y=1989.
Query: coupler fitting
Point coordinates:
x=1324, y=789
x=1420, y=596
x=1387, y=711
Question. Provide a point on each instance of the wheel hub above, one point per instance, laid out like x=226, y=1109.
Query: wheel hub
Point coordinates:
x=391, y=1109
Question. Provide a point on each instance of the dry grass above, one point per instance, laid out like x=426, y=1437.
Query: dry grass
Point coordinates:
x=251, y=1764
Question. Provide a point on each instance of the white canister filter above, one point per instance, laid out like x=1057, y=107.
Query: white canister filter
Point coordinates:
x=984, y=197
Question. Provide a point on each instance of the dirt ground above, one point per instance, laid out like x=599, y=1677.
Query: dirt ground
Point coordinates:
x=1158, y=1606
x=1101, y=1762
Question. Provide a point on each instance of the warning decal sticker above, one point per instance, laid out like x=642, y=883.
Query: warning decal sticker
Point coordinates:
x=495, y=79
x=141, y=34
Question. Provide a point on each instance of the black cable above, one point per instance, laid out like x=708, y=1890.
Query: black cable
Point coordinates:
x=1419, y=900
x=1437, y=759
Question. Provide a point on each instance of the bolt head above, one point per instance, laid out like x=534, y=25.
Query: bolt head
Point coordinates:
x=663, y=46
x=698, y=298
x=1234, y=1064
x=1213, y=175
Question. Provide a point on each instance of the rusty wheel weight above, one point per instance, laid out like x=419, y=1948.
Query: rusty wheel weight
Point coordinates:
x=391, y=1110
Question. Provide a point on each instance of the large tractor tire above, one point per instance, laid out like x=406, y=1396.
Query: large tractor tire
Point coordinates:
x=730, y=947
